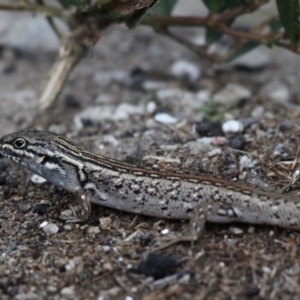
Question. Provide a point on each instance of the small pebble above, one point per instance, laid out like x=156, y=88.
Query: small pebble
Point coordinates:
x=277, y=92
x=237, y=142
x=68, y=291
x=151, y=107
x=110, y=139
x=157, y=265
x=165, y=118
x=218, y=141
x=165, y=231
x=214, y=152
x=41, y=208
x=185, y=70
x=231, y=242
x=266, y=270
x=3, y=165
x=105, y=223
x=106, y=248
x=258, y=112
x=50, y=228
x=93, y=230
x=205, y=140
x=71, y=101
x=209, y=128
x=43, y=224
x=232, y=126
x=281, y=151
x=68, y=227
x=2, y=180
x=24, y=206
x=251, y=229
x=71, y=264
x=116, y=224
x=235, y=230
x=247, y=163
x=251, y=292
x=37, y=179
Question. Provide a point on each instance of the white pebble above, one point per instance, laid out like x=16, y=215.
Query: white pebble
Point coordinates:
x=37, y=179
x=165, y=231
x=185, y=69
x=68, y=291
x=151, y=107
x=235, y=230
x=50, y=228
x=43, y=224
x=232, y=126
x=110, y=139
x=165, y=118
x=247, y=163
x=106, y=248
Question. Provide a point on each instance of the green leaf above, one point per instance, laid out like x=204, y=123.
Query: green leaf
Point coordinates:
x=217, y=6
x=288, y=12
x=212, y=36
x=165, y=7
x=68, y=3
x=243, y=50
x=213, y=6
x=275, y=25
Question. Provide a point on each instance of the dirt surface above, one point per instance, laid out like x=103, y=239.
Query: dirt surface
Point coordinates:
x=100, y=259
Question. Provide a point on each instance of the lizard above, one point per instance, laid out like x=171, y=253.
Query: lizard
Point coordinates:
x=140, y=190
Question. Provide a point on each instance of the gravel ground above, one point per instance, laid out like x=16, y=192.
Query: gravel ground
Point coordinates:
x=123, y=101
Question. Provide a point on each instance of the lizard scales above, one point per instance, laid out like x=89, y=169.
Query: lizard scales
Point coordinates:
x=134, y=189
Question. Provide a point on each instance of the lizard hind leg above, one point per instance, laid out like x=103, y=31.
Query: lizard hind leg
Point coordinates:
x=195, y=230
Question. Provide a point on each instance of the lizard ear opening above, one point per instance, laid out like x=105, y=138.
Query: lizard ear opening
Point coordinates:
x=19, y=143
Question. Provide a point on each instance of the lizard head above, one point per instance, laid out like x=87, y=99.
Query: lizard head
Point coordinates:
x=23, y=146
x=44, y=153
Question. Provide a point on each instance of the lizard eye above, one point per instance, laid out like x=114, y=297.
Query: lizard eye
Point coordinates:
x=19, y=143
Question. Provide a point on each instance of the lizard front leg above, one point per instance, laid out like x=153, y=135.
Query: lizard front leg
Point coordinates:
x=84, y=197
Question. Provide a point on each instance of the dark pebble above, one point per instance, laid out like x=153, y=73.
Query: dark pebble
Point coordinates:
x=41, y=209
x=252, y=292
x=138, y=76
x=3, y=165
x=145, y=240
x=2, y=180
x=71, y=101
x=157, y=265
x=237, y=142
x=209, y=128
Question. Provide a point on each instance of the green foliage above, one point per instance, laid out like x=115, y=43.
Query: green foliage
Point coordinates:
x=289, y=13
x=212, y=36
x=217, y=6
x=165, y=7
x=68, y=3
x=212, y=110
x=242, y=50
